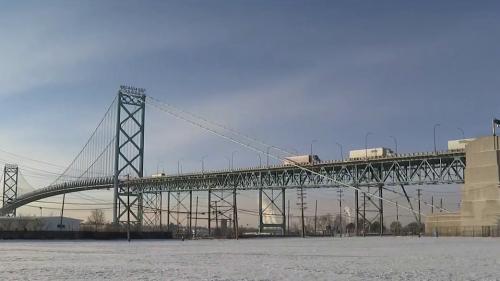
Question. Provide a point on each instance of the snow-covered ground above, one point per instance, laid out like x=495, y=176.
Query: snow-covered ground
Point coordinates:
x=373, y=258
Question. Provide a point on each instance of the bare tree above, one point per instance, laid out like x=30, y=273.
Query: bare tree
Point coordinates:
x=396, y=227
x=96, y=218
x=339, y=224
x=325, y=221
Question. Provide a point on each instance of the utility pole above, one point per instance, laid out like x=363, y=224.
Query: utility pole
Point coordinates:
x=196, y=218
x=419, y=214
x=168, y=210
x=340, y=209
x=300, y=195
x=216, y=219
x=356, y=206
x=432, y=204
x=302, y=212
x=397, y=212
x=381, y=209
x=364, y=214
x=288, y=218
x=209, y=213
x=315, y=217
x=61, y=226
x=190, y=214
x=178, y=211
x=441, y=205
x=235, y=215
x=161, y=210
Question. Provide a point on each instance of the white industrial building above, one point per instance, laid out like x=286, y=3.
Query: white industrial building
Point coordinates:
x=39, y=224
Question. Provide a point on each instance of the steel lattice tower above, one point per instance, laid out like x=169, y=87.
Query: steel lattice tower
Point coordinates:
x=129, y=154
x=10, y=176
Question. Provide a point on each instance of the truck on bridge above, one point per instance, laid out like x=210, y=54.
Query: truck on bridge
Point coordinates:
x=370, y=153
x=301, y=160
x=459, y=144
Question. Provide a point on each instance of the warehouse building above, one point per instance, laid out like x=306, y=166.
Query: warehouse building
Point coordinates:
x=39, y=224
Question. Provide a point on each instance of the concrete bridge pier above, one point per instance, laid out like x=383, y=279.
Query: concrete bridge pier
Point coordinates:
x=480, y=208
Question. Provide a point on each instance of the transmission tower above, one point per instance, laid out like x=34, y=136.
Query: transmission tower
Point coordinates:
x=10, y=176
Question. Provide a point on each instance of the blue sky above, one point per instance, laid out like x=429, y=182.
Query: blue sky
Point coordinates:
x=286, y=72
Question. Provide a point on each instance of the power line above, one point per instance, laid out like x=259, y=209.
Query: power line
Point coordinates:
x=31, y=159
x=253, y=148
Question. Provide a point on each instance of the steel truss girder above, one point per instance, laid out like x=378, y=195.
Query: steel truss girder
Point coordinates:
x=10, y=176
x=445, y=168
x=417, y=169
x=129, y=156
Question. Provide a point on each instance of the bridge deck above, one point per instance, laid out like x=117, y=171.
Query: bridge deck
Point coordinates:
x=411, y=169
x=445, y=167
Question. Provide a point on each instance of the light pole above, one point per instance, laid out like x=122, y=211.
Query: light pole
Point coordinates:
x=462, y=131
x=341, y=151
x=366, y=143
x=179, y=166
x=158, y=166
x=232, y=159
x=203, y=163
x=267, y=154
x=435, y=126
x=313, y=141
x=395, y=144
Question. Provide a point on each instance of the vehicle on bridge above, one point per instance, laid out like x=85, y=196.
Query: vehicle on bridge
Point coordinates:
x=459, y=144
x=301, y=160
x=370, y=153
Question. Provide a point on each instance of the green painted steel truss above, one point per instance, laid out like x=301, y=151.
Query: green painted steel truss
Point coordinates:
x=414, y=169
x=420, y=169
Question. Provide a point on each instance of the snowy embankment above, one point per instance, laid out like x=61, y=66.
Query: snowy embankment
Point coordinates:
x=373, y=258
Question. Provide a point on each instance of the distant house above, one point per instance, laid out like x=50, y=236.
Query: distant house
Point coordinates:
x=39, y=224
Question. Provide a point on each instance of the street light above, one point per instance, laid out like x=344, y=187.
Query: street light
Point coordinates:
x=462, y=131
x=158, y=166
x=295, y=150
x=313, y=141
x=179, y=166
x=366, y=143
x=395, y=144
x=435, y=126
x=341, y=151
x=232, y=159
x=203, y=163
x=267, y=154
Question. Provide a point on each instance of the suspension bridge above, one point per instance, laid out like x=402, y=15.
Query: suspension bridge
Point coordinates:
x=113, y=158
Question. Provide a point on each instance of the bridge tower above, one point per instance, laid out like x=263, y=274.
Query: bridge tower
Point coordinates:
x=129, y=154
x=10, y=176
